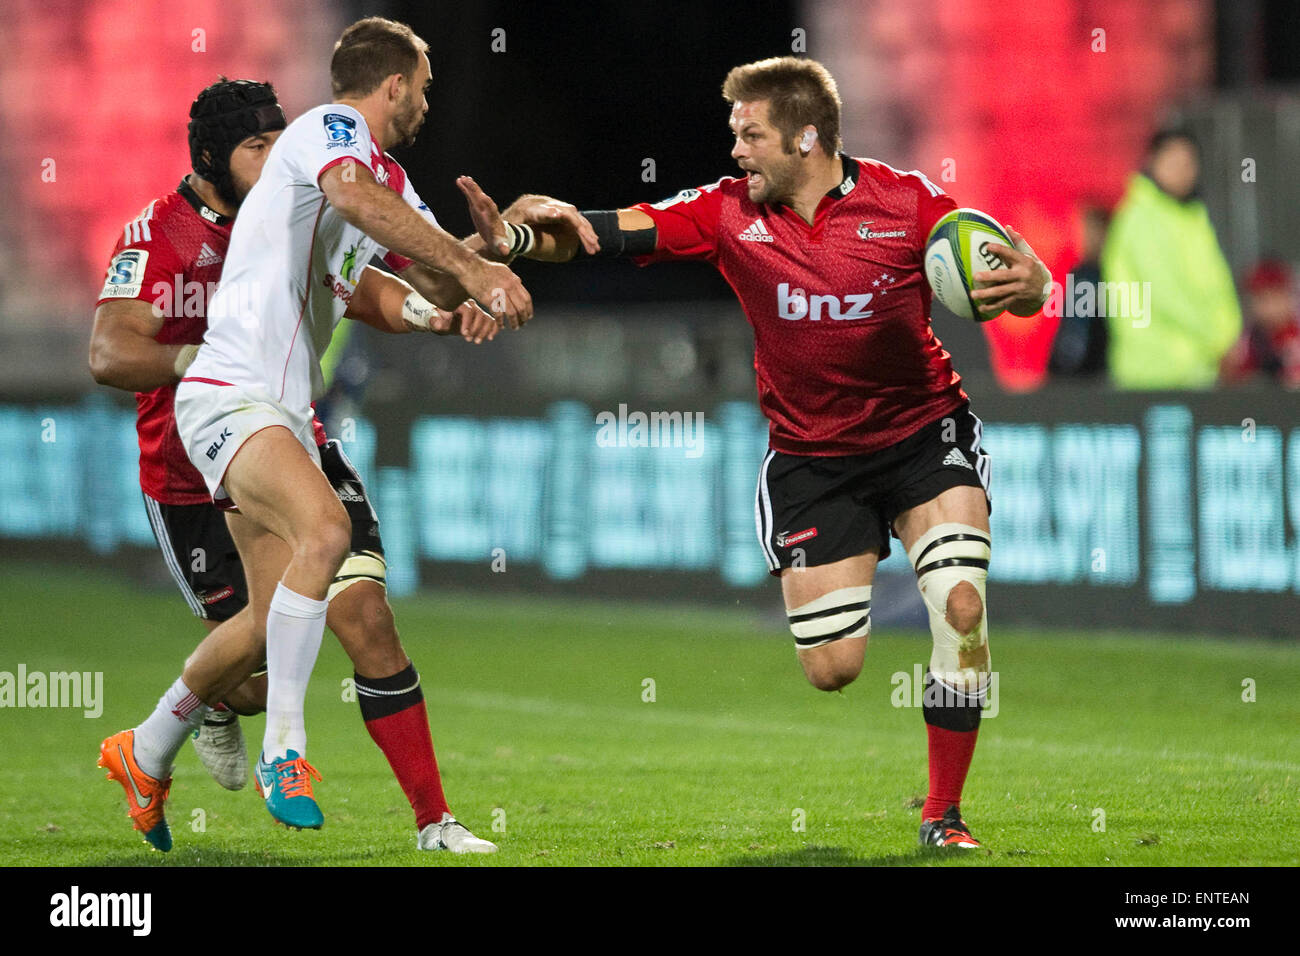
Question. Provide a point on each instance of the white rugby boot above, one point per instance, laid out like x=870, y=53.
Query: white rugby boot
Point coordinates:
x=220, y=746
x=449, y=834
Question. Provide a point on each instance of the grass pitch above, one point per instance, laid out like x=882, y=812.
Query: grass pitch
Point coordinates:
x=1107, y=749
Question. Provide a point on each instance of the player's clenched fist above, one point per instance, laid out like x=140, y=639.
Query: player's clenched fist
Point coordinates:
x=499, y=291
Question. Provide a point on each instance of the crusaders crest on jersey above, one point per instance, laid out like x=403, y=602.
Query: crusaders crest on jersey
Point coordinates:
x=866, y=232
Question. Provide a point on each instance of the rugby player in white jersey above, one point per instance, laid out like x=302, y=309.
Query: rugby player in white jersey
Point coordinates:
x=143, y=341
x=329, y=199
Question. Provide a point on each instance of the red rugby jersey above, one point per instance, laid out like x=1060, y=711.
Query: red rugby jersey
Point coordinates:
x=171, y=256
x=845, y=357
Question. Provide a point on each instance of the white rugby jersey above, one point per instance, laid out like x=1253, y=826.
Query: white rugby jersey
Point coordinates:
x=294, y=262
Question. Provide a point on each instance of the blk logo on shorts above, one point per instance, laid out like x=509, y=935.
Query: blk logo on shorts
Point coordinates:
x=215, y=448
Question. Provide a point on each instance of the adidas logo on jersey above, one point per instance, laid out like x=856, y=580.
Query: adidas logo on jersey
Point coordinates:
x=955, y=457
x=755, y=232
x=208, y=256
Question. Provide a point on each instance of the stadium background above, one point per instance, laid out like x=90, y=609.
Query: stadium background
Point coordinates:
x=1162, y=511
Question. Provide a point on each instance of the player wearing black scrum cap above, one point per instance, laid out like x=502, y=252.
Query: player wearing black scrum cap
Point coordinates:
x=151, y=317
x=231, y=123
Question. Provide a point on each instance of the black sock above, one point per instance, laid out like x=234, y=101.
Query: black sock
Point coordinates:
x=381, y=696
x=944, y=707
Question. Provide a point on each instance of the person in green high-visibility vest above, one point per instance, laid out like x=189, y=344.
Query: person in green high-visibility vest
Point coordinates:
x=1169, y=296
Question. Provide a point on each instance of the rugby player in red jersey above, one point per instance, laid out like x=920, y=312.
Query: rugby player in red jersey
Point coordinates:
x=870, y=431
x=149, y=322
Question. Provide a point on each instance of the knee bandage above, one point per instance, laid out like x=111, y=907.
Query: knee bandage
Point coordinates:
x=943, y=557
x=839, y=614
x=359, y=566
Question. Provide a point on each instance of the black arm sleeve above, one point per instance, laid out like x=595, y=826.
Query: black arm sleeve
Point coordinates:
x=619, y=242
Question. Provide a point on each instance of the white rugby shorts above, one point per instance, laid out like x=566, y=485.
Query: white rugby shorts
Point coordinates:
x=214, y=421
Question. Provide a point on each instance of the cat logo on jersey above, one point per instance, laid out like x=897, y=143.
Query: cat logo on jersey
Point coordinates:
x=342, y=130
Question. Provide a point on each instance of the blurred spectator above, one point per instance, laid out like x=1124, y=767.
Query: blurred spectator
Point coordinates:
x=1079, y=348
x=1269, y=348
x=1178, y=327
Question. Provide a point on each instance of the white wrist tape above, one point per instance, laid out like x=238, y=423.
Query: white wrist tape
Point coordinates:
x=418, y=312
x=184, y=359
x=521, y=237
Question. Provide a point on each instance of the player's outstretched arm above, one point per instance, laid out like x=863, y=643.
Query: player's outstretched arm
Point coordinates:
x=385, y=216
x=556, y=229
x=620, y=232
x=124, y=353
x=390, y=305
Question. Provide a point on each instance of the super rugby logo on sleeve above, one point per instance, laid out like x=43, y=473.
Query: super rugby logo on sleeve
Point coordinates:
x=686, y=195
x=342, y=130
x=125, y=275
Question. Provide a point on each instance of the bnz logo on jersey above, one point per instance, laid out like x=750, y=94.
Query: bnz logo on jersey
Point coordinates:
x=797, y=304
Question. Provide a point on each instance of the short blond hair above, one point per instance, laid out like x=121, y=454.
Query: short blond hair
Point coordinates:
x=800, y=92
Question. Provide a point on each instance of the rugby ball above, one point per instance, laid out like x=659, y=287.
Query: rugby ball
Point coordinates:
x=957, y=248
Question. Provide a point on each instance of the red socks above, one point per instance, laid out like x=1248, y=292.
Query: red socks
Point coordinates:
x=952, y=722
x=950, y=755
x=398, y=721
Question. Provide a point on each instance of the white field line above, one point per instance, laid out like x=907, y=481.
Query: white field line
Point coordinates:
x=1174, y=756
x=658, y=714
